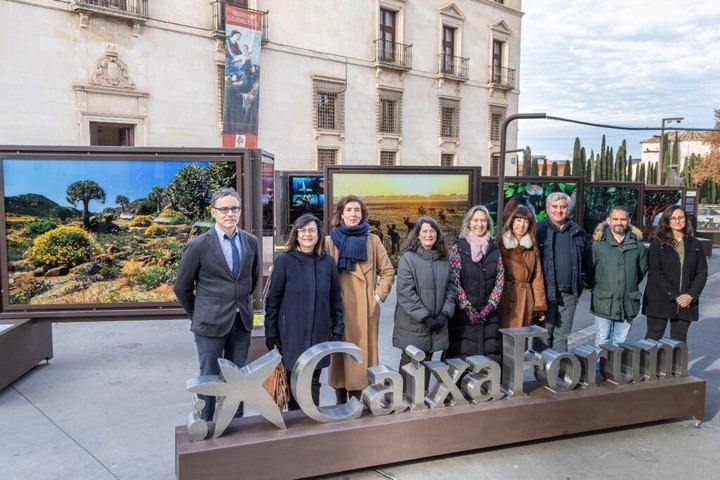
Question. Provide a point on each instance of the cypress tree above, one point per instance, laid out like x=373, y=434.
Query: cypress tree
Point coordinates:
x=629, y=174
x=588, y=170
x=597, y=175
x=576, y=165
x=566, y=169
x=675, y=159
x=527, y=161
x=554, y=169
x=666, y=167
x=534, y=167
x=610, y=165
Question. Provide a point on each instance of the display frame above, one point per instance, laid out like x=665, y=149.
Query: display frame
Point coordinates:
x=330, y=170
x=242, y=158
x=638, y=213
x=648, y=230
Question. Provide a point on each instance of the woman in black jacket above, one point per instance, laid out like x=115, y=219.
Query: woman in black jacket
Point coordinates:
x=303, y=305
x=676, y=276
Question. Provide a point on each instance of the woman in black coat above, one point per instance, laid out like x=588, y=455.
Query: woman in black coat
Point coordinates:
x=303, y=305
x=477, y=273
x=676, y=276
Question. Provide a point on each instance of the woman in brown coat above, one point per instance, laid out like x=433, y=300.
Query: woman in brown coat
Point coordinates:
x=524, y=293
x=366, y=277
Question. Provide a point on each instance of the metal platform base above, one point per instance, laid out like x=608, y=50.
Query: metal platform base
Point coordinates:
x=253, y=448
x=22, y=346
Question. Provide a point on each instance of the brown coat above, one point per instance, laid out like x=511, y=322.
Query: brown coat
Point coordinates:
x=361, y=312
x=524, y=291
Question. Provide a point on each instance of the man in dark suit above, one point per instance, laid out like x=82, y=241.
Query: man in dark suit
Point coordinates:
x=218, y=272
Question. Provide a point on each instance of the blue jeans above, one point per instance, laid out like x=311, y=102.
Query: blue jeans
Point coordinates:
x=558, y=322
x=611, y=331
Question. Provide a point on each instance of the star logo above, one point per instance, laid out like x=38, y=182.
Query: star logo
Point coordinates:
x=240, y=384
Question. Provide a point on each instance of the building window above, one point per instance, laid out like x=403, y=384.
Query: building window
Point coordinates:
x=329, y=100
x=449, y=116
x=387, y=159
x=112, y=134
x=448, y=50
x=494, y=160
x=497, y=116
x=326, y=156
x=389, y=112
x=387, y=32
x=497, y=61
x=447, y=160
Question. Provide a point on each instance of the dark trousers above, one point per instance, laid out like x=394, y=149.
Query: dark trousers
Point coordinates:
x=233, y=346
x=314, y=390
x=342, y=394
x=656, y=328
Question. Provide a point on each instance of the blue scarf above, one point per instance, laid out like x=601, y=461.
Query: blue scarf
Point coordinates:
x=351, y=243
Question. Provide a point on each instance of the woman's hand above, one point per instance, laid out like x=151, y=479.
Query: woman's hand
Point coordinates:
x=684, y=300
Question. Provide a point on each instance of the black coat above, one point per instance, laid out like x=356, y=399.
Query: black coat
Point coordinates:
x=666, y=281
x=303, y=305
x=478, y=280
x=546, y=237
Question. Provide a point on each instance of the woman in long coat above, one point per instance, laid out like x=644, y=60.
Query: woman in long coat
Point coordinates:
x=677, y=273
x=523, y=297
x=303, y=305
x=425, y=295
x=366, y=278
x=477, y=271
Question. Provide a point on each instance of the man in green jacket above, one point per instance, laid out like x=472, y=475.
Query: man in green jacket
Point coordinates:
x=617, y=265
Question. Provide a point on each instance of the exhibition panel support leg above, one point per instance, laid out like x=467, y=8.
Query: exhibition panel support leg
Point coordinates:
x=23, y=344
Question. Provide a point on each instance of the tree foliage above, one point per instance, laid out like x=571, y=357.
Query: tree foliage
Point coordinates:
x=189, y=191
x=708, y=168
x=122, y=200
x=84, y=191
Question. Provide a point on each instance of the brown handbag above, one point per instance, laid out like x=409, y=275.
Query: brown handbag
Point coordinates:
x=277, y=386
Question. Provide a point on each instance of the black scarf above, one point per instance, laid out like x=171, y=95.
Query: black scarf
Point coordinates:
x=351, y=243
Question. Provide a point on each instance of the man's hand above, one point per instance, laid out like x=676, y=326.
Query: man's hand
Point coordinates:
x=272, y=342
x=684, y=300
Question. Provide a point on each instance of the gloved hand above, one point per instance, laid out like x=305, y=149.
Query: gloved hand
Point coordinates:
x=435, y=324
x=538, y=317
x=336, y=337
x=272, y=342
x=473, y=315
x=486, y=311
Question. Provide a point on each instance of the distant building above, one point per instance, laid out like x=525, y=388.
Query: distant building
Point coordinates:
x=689, y=142
x=384, y=82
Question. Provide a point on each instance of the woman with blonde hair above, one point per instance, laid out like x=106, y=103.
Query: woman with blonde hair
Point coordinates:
x=477, y=272
x=366, y=278
x=523, y=298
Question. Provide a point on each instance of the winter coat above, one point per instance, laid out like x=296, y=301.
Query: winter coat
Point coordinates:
x=545, y=237
x=361, y=312
x=615, y=271
x=666, y=282
x=524, y=290
x=479, y=281
x=423, y=290
x=303, y=305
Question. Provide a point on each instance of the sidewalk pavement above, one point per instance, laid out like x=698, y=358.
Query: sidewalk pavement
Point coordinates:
x=106, y=406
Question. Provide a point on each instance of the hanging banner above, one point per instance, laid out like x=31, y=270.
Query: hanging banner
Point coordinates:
x=243, y=34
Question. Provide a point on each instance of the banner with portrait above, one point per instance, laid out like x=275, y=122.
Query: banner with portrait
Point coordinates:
x=243, y=35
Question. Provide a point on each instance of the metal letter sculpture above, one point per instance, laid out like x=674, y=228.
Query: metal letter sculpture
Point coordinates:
x=393, y=392
x=302, y=377
x=237, y=385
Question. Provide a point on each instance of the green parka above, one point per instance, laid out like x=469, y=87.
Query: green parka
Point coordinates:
x=615, y=271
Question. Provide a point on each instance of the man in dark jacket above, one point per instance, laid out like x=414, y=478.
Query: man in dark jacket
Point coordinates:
x=217, y=274
x=562, y=244
x=616, y=266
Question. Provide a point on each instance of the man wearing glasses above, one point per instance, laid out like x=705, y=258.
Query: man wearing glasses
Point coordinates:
x=217, y=274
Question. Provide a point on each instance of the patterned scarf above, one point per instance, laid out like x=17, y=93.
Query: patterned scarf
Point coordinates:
x=351, y=243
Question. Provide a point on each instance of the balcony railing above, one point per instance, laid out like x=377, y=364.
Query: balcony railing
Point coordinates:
x=502, y=77
x=393, y=54
x=219, y=17
x=453, y=67
x=134, y=9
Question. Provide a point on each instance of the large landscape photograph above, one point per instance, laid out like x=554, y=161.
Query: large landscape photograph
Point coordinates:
x=103, y=231
x=396, y=200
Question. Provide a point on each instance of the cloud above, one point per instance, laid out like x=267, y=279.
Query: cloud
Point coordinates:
x=618, y=62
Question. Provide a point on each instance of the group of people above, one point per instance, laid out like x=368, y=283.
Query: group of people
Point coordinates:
x=450, y=299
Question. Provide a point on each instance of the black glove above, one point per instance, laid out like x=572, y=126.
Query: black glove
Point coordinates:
x=435, y=324
x=442, y=321
x=336, y=337
x=272, y=342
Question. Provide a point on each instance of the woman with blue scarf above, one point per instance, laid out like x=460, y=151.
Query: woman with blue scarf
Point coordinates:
x=366, y=278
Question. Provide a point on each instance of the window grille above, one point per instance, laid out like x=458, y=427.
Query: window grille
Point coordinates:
x=447, y=160
x=449, y=116
x=494, y=160
x=389, y=112
x=326, y=156
x=387, y=159
x=221, y=92
x=329, y=100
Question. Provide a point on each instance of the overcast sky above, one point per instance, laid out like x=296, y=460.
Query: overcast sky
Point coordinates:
x=616, y=62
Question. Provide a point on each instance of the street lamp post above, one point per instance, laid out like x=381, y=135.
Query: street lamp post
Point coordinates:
x=661, y=157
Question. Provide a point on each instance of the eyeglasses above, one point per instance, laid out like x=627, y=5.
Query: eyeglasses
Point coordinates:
x=226, y=210
x=677, y=219
x=308, y=231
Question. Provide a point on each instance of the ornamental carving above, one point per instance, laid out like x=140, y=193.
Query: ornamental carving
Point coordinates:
x=110, y=71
